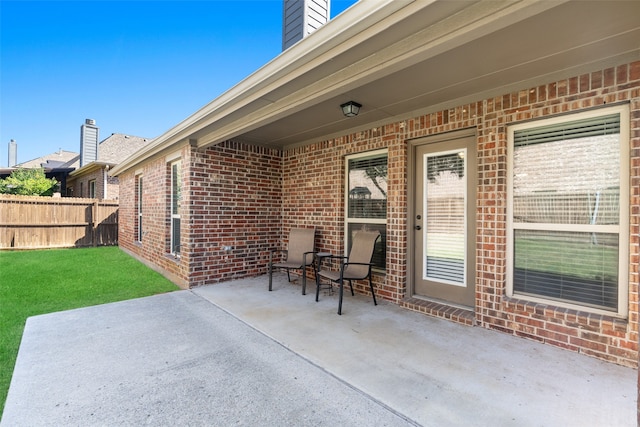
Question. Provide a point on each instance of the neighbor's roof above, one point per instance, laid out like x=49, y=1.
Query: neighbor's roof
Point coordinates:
x=118, y=147
x=112, y=150
x=403, y=58
x=59, y=159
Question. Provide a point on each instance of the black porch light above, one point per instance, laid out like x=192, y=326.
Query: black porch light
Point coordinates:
x=350, y=109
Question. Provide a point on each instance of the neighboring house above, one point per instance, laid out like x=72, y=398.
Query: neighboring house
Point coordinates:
x=499, y=143
x=92, y=179
x=56, y=165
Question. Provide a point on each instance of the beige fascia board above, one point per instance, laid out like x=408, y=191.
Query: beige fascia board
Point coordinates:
x=162, y=152
x=473, y=22
x=90, y=167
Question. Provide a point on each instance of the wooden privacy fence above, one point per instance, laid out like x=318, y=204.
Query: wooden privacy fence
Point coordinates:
x=28, y=222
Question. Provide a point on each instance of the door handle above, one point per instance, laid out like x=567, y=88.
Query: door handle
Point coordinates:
x=417, y=227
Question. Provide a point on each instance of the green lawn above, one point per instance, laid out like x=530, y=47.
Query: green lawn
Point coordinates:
x=45, y=281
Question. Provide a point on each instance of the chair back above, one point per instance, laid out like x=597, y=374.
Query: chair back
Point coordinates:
x=361, y=251
x=301, y=240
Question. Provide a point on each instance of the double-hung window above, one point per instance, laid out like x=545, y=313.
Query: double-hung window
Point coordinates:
x=92, y=189
x=176, y=188
x=568, y=222
x=366, y=200
x=139, y=207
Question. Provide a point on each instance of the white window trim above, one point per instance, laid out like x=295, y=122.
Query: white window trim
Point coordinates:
x=140, y=182
x=172, y=215
x=173, y=157
x=622, y=229
x=348, y=220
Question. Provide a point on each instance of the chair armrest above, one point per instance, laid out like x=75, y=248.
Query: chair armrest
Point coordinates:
x=370, y=264
x=345, y=264
x=274, y=251
x=322, y=255
x=304, y=257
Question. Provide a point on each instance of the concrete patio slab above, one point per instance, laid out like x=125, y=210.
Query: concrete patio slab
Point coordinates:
x=433, y=371
x=235, y=354
x=171, y=360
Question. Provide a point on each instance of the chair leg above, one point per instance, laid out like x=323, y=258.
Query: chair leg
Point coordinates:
x=373, y=294
x=304, y=279
x=317, y=286
x=351, y=286
x=270, y=275
x=288, y=275
x=340, y=300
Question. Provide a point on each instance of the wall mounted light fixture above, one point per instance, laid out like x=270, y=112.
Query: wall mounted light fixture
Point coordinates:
x=350, y=109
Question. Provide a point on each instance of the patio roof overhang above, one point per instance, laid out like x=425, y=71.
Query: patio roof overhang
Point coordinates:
x=403, y=58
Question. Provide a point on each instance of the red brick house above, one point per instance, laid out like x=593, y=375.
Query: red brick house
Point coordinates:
x=497, y=149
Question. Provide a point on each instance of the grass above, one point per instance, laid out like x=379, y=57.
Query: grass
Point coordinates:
x=46, y=281
x=577, y=259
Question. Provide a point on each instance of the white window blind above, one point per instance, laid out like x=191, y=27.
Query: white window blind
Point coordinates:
x=566, y=211
x=366, y=200
x=445, y=226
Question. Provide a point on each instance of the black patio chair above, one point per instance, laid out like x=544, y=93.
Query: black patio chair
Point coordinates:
x=356, y=266
x=299, y=255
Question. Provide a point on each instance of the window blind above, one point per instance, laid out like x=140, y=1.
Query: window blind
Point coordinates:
x=596, y=126
x=566, y=175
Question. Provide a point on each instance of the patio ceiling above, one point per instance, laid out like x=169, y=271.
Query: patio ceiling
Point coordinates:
x=402, y=58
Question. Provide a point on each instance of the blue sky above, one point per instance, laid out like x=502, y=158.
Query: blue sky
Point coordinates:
x=136, y=68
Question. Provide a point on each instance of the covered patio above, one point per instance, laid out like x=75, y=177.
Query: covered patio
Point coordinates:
x=294, y=361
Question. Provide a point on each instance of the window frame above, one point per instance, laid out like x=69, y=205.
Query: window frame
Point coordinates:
x=349, y=220
x=621, y=229
x=92, y=189
x=174, y=216
x=139, y=184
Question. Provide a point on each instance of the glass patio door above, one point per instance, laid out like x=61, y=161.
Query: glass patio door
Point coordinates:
x=444, y=221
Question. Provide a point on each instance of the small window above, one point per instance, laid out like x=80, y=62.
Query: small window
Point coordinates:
x=139, y=207
x=568, y=221
x=92, y=189
x=366, y=200
x=176, y=196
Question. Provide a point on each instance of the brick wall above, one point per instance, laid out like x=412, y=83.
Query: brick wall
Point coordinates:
x=113, y=188
x=235, y=194
x=80, y=185
x=155, y=245
x=314, y=186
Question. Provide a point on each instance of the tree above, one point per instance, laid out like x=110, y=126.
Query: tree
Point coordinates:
x=377, y=171
x=28, y=182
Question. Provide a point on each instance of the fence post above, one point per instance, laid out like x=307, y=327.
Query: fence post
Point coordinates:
x=94, y=215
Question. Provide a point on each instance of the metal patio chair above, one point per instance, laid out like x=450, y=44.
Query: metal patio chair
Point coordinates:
x=298, y=255
x=356, y=266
